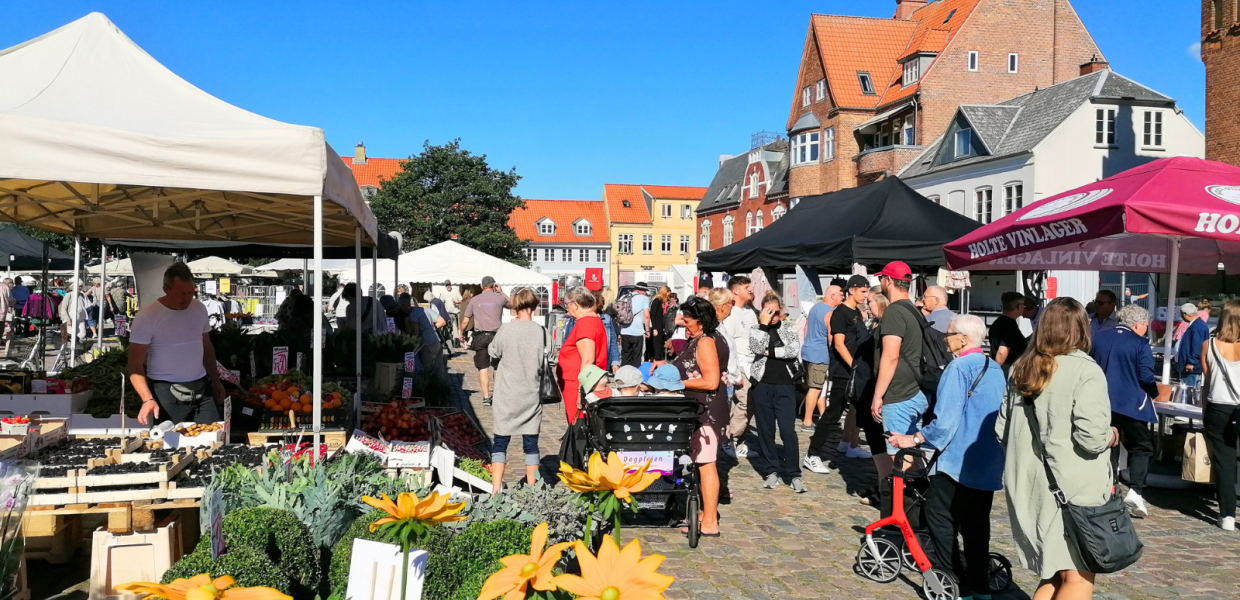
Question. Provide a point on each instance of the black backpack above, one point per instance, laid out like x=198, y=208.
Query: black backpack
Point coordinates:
x=934, y=356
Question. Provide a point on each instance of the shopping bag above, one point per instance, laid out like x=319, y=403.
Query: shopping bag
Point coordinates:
x=1196, y=466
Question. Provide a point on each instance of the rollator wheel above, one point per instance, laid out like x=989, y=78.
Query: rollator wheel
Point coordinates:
x=923, y=538
x=883, y=567
x=695, y=526
x=937, y=584
x=1000, y=573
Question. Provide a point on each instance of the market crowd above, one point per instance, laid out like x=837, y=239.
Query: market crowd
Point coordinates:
x=1009, y=409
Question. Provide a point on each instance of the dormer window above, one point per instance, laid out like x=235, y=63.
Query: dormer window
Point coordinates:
x=368, y=192
x=753, y=185
x=582, y=227
x=546, y=227
x=912, y=72
x=867, y=83
x=964, y=143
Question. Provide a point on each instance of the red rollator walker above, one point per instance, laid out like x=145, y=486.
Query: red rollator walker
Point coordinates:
x=881, y=559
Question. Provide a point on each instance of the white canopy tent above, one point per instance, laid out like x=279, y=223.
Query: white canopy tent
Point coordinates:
x=214, y=265
x=330, y=265
x=100, y=140
x=448, y=261
x=115, y=268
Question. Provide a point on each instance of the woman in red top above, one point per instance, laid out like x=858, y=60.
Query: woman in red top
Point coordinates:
x=586, y=344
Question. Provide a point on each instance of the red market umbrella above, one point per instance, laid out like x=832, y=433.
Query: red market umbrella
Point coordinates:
x=1172, y=215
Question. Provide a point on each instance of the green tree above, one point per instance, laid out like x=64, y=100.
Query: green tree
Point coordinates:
x=445, y=193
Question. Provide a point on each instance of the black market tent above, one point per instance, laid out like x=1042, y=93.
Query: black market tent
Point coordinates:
x=869, y=225
x=20, y=252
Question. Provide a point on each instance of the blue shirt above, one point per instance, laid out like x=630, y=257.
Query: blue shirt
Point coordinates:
x=963, y=428
x=613, y=342
x=425, y=325
x=1128, y=363
x=638, y=327
x=816, y=347
x=1189, y=352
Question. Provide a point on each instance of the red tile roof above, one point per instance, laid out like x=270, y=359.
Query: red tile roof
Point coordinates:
x=937, y=24
x=615, y=194
x=375, y=170
x=565, y=213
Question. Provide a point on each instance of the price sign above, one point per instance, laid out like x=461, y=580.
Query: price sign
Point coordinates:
x=406, y=388
x=301, y=362
x=233, y=377
x=391, y=325
x=216, y=518
x=410, y=361
x=121, y=325
x=227, y=418
x=279, y=360
x=211, y=287
x=225, y=285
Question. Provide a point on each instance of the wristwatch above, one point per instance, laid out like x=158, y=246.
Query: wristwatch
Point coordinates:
x=916, y=439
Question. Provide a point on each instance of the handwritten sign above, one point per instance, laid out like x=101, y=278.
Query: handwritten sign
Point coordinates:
x=391, y=325
x=406, y=388
x=227, y=418
x=121, y=325
x=233, y=377
x=216, y=518
x=225, y=285
x=410, y=361
x=279, y=360
x=211, y=288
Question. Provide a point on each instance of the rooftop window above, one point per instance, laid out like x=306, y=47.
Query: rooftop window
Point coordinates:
x=867, y=84
x=949, y=16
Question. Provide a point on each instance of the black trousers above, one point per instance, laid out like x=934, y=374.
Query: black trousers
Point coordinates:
x=1220, y=423
x=773, y=405
x=952, y=508
x=1138, y=440
x=829, y=425
x=631, y=350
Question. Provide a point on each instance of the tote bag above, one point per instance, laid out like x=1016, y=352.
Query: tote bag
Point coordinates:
x=548, y=387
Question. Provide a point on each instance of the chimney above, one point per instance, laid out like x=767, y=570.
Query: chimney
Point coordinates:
x=906, y=8
x=1094, y=65
x=359, y=154
x=724, y=158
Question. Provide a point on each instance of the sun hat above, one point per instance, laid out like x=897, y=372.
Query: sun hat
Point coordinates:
x=629, y=376
x=589, y=377
x=666, y=377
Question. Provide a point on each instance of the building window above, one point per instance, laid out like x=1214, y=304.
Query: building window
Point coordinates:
x=1013, y=198
x=805, y=148
x=758, y=222
x=1104, y=126
x=546, y=227
x=600, y=255
x=973, y=60
x=704, y=240
x=828, y=144
x=684, y=244
x=665, y=244
x=934, y=199
x=867, y=83
x=949, y=16
x=667, y=211
x=820, y=90
x=625, y=243
x=884, y=135
x=583, y=255
x=964, y=139
x=647, y=243
x=983, y=205
x=912, y=71
x=531, y=254
x=582, y=227
x=566, y=255
x=626, y=204
x=753, y=185
x=548, y=255
x=1218, y=14
x=368, y=192
x=727, y=229
x=777, y=212
x=805, y=96
x=1153, y=129
x=686, y=211
x=910, y=137
x=1013, y=62
x=748, y=223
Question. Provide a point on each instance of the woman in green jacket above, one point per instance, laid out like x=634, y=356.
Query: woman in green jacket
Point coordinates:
x=1057, y=382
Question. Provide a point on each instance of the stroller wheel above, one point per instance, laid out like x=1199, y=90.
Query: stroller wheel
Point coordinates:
x=937, y=584
x=1000, y=573
x=882, y=567
x=695, y=525
x=923, y=539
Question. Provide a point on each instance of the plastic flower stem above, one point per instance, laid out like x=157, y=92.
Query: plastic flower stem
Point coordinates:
x=589, y=522
x=404, y=573
x=617, y=527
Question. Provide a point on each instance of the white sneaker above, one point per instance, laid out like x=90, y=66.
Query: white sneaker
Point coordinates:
x=1228, y=524
x=815, y=464
x=843, y=447
x=741, y=450
x=859, y=453
x=798, y=485
x=1136, y=504
x=772, y=481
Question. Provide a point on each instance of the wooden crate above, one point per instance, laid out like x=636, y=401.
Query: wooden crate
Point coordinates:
x=165, y=474
x=334, y=438
x=176, y=493
x=126, y=558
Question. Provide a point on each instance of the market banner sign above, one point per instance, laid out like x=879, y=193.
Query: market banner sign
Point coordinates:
x=594, y=279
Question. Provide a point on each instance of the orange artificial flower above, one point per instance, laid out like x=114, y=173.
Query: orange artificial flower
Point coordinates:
x=615, y=574
x=202, y=587
x=433, y=509
x=522, y=571
x=613, y=475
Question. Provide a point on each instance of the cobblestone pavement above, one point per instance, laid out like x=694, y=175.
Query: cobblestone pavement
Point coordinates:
x=777, y=544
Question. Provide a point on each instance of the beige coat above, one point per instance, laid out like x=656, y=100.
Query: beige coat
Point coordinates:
x=1074, y=414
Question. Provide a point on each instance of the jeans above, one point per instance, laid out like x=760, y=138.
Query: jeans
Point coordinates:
x=952, y=508
x=773, y=405
x=904, y=417
x=1191, y=381
x=1138, y=440
x=529, y=444
x=1220, y=423
x=631, y=350
x=829, y=424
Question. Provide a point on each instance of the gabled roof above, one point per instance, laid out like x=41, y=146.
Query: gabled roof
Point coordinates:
x=937, y=23
x=1018, y=125
x=725, y=188
x=564, y=213
x=639, y=198
x=374, y=171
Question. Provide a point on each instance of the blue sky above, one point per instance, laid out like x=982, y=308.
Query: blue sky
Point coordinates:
x=572, y=94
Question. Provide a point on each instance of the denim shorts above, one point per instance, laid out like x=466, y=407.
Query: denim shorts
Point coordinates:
x=529, y=443
x=904, y=417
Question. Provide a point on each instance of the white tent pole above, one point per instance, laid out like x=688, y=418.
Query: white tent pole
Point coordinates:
x=1171, y=291
x=305, y=275
x=374, y=272
x=316, y=335
x=103, y=290
x=357, y=310
x=77, y=299
x=396, y=262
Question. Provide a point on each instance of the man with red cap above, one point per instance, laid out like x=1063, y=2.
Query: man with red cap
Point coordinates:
x=898, y=400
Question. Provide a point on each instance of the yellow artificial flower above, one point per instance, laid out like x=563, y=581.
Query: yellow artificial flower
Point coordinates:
x=522, y=571
x=613, y=475
x=615, y=574
x=202, y=587
x=433, y=509
x=582, y=482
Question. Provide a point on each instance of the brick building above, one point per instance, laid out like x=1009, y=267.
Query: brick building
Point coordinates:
x=871, y=93
x=748, y=191
x=1220, y=51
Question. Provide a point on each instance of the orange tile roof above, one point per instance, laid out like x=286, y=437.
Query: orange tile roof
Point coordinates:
x=675, y=192
x=636, y=212
x=375, y=169
x=565, y=213
x=932, y=35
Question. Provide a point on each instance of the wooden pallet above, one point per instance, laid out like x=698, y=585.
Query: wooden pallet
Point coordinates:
x=54, y=533
x=177, y=493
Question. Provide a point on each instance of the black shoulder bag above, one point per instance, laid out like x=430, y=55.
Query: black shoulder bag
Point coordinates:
x=1103, y=536
x=548, y=388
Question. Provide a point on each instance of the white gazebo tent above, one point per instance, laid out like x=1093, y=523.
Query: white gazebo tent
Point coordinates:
x=449, y=261
x=214, y=265
x=98, y=139
x=117, y=268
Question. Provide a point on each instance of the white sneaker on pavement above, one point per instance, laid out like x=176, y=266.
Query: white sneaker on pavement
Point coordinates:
x=742, y=450
x=1228, y=524
x=859, y=453
x=843, y=447
x=1136, y=504
x=798, y=485
x=772, y=481
x=815, y=465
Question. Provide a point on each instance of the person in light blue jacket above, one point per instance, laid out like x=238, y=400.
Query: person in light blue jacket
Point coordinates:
x=969, y=469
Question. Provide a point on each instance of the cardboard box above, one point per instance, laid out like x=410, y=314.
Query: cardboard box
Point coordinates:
x=52, y=405
x=415, y=455
x=175, y=440
x=52, y=385
x=15, y=382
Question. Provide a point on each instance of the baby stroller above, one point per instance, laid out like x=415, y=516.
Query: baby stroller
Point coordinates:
x=658, y=429
x=882, y=557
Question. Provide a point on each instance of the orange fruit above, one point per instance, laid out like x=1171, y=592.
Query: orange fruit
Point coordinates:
x=269, y=404
x=296, y=407
x=305, y=398
x=278, y=395
x=285, y=404
x=307, y=409
x=335, y=395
